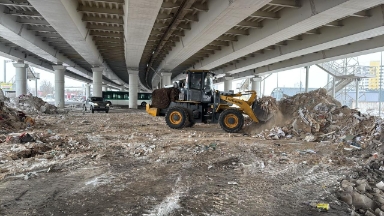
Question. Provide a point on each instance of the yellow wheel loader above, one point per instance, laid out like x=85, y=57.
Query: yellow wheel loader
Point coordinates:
x=193, y=100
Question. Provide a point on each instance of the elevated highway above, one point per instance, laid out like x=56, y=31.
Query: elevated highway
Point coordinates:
x=138, y=44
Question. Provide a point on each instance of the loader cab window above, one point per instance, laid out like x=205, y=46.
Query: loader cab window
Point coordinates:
x=195, y=81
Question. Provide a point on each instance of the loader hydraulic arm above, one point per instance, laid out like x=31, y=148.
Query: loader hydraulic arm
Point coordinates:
x=245, y=106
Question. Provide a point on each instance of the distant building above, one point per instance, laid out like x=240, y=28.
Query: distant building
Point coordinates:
x=368, y=100
x=374, y=83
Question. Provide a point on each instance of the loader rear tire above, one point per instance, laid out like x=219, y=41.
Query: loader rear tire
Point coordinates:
x=231, y=120
x=177, y=118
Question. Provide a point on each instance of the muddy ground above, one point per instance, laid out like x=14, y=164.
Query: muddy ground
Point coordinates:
x=129, y=163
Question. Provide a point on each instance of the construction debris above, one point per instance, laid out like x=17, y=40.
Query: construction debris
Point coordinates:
x=32, y=105
x=316, y=117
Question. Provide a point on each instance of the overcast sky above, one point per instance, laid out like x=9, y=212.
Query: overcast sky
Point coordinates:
x=290, y=78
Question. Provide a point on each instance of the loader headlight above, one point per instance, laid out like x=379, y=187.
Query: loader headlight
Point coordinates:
x=96, y=104
x=107, y=104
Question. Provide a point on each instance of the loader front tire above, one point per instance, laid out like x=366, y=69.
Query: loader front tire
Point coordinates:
x=231, y=120
x=177, y=118
x=191, y=120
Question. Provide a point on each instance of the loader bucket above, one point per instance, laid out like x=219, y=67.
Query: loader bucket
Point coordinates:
x=152, y=110
x=260, y=113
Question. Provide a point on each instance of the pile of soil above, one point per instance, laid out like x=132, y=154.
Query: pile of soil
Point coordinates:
x=10, y=119
x=161, y=98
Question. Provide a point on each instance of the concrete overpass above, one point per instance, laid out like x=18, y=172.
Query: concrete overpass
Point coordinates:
x=136, y=44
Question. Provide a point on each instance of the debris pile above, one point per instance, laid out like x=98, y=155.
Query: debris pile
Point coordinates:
x=48, y=147
x=32, y=105
x=316, y=116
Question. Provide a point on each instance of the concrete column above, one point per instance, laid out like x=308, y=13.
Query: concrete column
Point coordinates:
x=227, y=83
x=35, y=87
x=133, y=87
x=59, y=85
x=122, y=88
x=21, y=78
x=256, y=85
x=97, y=81
x=104, y=88
x=306, y=78
x=87, y=90
x=166, y=79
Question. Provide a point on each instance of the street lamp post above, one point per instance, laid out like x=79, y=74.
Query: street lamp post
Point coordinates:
x=380, y=77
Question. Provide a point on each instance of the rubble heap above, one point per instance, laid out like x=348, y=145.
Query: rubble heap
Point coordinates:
x=32, y=105
x=316, y=116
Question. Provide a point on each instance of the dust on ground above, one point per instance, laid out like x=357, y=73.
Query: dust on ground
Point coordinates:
x=126, y=162
x=129, y=163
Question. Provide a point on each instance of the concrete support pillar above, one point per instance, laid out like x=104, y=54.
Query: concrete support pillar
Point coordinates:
x=104, y=88
x=21, y=78
x=166, y=79
x=122, y=88
x=256, y=85
x=228, y=83
x=133, y=87
x=59, y=85
x=87, y=90
x=35, y=87
x=97, y=81
x=357, y=94
x=306, y=78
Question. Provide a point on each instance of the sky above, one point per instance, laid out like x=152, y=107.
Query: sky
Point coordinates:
x=289, y=78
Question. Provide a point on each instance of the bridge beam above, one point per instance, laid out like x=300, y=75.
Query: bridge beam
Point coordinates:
x=312, y=14
x=220, y=19
x=18, y=34
x=72, y=28
x=373, y=45
x=354, y=29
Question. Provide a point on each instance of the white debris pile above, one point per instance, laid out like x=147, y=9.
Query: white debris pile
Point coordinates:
x=32, y=105
x=20, y=152
x=274, y=134
x=142, y=150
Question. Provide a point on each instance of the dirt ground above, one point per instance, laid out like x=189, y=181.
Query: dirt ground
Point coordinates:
x=128, y=163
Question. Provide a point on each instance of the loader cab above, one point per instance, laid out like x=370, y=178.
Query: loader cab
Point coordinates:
x=199, y=86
